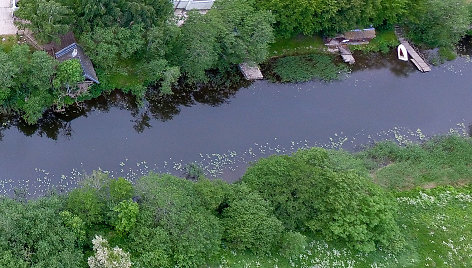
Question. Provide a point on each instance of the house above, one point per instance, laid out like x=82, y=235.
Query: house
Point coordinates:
x=193, y=4
x=358, y=35
x=66, y=49
x=181, y=7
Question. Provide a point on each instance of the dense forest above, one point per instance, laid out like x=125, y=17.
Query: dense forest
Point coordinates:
x=136, y=45
x=388, y=205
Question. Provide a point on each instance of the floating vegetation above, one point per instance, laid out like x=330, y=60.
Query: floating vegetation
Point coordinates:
x=229, y=165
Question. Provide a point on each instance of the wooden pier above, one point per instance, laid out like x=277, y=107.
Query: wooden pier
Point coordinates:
x=346, y=54
x=251, y=71
x=417, y=60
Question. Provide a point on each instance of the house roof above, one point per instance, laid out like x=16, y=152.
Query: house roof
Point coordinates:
x=360, y=34
x=64, y=50
x=74, y=51
x=64, y=41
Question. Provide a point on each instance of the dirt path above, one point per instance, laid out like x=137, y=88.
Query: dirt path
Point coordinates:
x=6, y=18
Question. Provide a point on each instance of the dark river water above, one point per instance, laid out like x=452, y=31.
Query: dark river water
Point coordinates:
x=224, y=130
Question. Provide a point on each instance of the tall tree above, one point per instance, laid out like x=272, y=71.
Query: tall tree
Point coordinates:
x=46, y=18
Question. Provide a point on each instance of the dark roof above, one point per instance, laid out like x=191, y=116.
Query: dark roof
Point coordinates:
x=64, y=41
x=360, y=34
x=67, y=53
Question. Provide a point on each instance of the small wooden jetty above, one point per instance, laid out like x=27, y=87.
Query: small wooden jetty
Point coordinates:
x=346, y=54
x=339, y=44
x=251, y=71
x=417, y=60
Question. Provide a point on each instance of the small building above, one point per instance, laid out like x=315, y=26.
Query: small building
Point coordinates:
x=360, y=35
x=66, y=49
x=193, y=4
x=181, y=8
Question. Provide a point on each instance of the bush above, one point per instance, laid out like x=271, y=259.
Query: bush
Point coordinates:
x=120, y=190
x=172, y=204
x=249, y=223
x=292, y=244
x=33, y=235
x=126, y=214
x=85, y=203
x=340, y=205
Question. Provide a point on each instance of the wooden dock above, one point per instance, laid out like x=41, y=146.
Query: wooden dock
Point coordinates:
x=346, y=54
x=251, y=71
x=417, y=60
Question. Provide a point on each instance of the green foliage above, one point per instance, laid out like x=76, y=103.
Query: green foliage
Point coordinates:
x=174, y=206
x=340, y=205
x=439, y=23
x=330, y=17
x=231, y=33
x=108, y=45
x=27, y=82
x=383, y=42
x=292, y=244
x=351, y=209
x=447, y=53
x=120, y=190
x=46, y=18
x=213, y=194
x=68, y=74
x=307, y=67
x=440, y=161
x=32, y=235
x=248, y=222
x=126, y=214
x=85, y=203
x=76, y=224
x=150, y=245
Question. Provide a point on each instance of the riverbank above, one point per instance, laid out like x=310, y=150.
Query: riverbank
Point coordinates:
x=213, y=213
x=241, y=124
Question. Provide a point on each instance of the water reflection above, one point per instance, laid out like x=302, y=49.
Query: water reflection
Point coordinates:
x=155, y=106
x=369, y=61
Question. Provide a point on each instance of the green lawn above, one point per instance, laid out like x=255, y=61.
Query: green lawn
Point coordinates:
x=10, y=40
x=383, y=42
x=296, y=46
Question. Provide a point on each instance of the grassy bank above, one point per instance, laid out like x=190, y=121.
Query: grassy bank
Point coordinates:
x=298, y=45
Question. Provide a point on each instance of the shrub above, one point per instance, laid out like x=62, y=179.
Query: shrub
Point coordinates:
x=85, y=203
x=292, y=244
x=120, y=189
x=172, y=204
x=32, y=235
x=126, y=214
x=249, y=223
x=340, y=205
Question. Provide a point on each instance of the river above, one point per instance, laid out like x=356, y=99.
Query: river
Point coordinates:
x=224, y=130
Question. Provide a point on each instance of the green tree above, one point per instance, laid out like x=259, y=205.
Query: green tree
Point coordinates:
x=306, y=191
x=249, y=223
x=438, y=23
x=85, y=203
x=173, y=205
x=125, y=217
x=46, y=18
x=68, y=74
x=231, y=33
x=32, y=235
x=292, y=244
